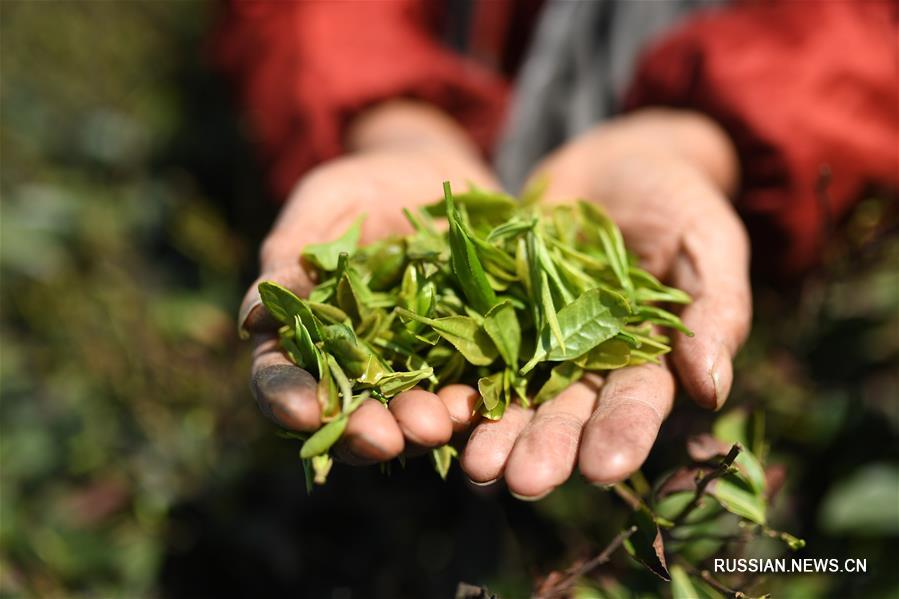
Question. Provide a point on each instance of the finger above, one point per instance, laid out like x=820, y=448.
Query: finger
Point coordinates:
x=713, y=267
x=253, y=317
x=632, y=404
x=545, y=452
x=285, y=392
x=460, y=402
x=371, y=435
x=491, y=441
x=422, y=417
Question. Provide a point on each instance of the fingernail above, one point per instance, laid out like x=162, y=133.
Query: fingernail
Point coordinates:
x=721, y=375
x=486, y=483
x=374, y=447
x=249, y=304
x=530, y=498
x=285, y=394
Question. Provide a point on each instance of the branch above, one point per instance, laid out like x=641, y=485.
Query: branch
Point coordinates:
x=713, y=582
x=706, y=480
x=584, y=569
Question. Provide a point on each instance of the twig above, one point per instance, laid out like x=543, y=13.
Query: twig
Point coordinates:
x=629, y=496
x=719, y=586
x=706, y=576
x=704, y=482
x=575, y=574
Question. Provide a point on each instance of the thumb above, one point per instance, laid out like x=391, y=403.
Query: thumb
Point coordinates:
x=280, y=262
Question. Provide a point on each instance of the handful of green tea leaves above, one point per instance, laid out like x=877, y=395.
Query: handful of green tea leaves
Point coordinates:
x=515, y=298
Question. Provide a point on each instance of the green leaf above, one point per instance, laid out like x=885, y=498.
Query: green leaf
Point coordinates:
x=608, y=355
x=443, y=459
x=681, y=587
x=353, y=297
x=326, y=391
x=464, y=333
x=321, y=466
x=374, y=371
x=612, y=242
x=322, y=440
x=501, y=325
x=397, y=382
x=560, y=378
x=685, y=587
x=325, y=256
x=308, y=473
x=584, y=324
x=305, y=346
x=465, y=262
x=548, y=309
x=649, y=289
x=328, y=313
x=731, y=427
x=738, y=497
x=863, y=504
x=352, y=354
x=481, y=205
x=751, y=469
x=661, y=317
x=491, y=389
x=343, y=383
x=280, y=301
x=385, y=260
x=511, y=228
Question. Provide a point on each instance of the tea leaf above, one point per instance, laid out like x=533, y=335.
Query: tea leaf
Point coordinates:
x=352, y=354
x=321, y=466
x=584, y=324
x=682, y=587
x=280, y=301
x=737, y=496
x=464, y=333
x=397, y=382
x=501, y=324
x=661, y=317
x=514, y=227
x=612, y=242
x=343, y=383
x=560, y=378
x=465, y=262
x=443, y=457
x=491, y=390
x=608, y=355
x=322, y=440
x=325, y=256
x=306, y=347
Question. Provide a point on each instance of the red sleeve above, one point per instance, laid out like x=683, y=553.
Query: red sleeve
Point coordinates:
x=304, y=68
x=799, y=86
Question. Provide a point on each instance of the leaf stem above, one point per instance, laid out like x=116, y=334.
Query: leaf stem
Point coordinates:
x=559, y=588
x=706, y=480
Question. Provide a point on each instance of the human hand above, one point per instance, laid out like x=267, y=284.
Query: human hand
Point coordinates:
x=402, y=153
x=663, y=177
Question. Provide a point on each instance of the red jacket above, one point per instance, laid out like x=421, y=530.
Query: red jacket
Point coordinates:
x=800, y=86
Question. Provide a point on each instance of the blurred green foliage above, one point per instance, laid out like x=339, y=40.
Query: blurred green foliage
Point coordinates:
x=123, y=385
x=133, y=461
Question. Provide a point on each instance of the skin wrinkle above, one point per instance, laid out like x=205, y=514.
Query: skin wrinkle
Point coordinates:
x=551, y=435
x=491, y=442
x=623, y=399
x=279, y=390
